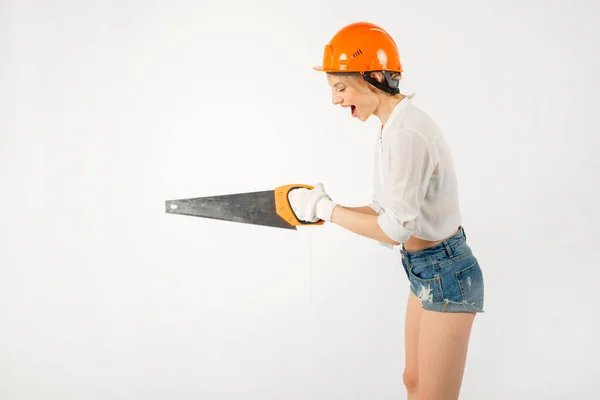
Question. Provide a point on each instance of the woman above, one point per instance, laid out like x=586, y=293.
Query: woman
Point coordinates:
x=415, y=206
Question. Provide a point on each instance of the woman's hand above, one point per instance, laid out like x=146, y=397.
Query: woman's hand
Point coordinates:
x=311, y=205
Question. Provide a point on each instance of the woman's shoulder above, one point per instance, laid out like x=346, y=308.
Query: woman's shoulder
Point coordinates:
x=415, y=120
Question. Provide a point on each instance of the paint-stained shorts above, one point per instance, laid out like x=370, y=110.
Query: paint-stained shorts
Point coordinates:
x=447, y=276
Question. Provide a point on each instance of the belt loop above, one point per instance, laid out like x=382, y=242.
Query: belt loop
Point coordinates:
x=462, y=228
x=448, y=249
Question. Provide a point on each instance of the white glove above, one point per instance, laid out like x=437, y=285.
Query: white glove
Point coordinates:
x=311, y=205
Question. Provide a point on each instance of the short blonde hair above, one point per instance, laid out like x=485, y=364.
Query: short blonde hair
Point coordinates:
x=357, y=82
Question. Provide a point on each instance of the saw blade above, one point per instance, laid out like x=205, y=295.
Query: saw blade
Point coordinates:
x=257, y=208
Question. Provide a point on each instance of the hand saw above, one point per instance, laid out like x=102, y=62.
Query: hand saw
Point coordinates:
x=269, y=208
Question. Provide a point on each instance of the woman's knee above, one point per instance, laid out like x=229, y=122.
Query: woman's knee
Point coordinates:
x=411, y=380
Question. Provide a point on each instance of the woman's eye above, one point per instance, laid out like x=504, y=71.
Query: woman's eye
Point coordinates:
x=341, y=90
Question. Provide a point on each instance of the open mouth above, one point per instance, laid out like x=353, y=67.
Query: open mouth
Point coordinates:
x=353, y=110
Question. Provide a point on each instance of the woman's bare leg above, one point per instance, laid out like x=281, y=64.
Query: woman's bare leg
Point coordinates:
x=443, y=343
x=411, y=340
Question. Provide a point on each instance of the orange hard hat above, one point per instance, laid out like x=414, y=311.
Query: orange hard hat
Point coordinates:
x=363, y=47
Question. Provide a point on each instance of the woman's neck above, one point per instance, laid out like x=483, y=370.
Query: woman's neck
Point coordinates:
x=385, y=108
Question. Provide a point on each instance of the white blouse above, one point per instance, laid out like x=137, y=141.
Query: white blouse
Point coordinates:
x=415, y=188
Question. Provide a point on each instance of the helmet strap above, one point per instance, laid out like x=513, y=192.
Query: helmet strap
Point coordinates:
x=392, y=84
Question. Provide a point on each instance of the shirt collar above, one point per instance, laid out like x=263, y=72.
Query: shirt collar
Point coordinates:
x=395, y=111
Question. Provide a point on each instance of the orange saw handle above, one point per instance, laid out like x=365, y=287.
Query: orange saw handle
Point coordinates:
x=284, y=209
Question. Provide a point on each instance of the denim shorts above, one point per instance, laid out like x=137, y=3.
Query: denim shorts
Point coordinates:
x=446, y=277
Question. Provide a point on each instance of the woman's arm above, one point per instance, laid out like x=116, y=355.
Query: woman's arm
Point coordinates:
x=362, y=210
x=362, y=221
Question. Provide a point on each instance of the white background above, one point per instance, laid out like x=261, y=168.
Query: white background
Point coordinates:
x=110, y=108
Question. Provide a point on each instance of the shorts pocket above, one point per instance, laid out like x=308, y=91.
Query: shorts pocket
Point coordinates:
x=470, y=282
x=426, y=289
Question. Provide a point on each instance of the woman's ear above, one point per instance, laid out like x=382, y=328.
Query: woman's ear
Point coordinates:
x=377, y=76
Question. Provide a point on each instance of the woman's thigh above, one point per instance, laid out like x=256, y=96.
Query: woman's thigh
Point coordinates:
x=443, y=343
x=414, y=310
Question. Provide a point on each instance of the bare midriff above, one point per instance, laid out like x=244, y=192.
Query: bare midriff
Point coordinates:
x=416, y=244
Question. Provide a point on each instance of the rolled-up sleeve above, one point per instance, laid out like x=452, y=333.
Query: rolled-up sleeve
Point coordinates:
x=411, y=167
x=375, y=206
